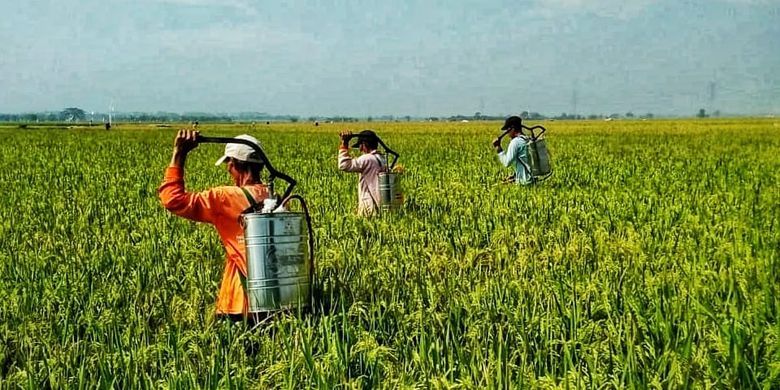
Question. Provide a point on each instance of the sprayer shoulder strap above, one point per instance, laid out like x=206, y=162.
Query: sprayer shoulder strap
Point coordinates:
x=252, y=207
x=376, y=204
x=527, y=147
x=379, y=161
x=249, y=197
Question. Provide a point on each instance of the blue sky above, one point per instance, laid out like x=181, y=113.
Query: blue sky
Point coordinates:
x=391, y=57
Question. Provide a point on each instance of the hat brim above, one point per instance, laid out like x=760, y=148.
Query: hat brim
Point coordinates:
x=224, y=158
x=221, y=160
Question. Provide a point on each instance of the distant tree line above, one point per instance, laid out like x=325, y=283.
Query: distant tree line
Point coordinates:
x=537, y=116
x=75, y=114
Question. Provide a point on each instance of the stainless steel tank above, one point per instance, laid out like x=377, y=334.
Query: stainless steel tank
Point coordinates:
x=390, y=193
x=539, y=158
x=278, y=263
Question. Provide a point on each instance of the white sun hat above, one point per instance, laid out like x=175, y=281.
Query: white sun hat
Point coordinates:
x=242, y=152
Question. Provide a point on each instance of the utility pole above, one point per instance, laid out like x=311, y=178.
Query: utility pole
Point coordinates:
x=574, y=97
x=574, y=101
x=712, y=87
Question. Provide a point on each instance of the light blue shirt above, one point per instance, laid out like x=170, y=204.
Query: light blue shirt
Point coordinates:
x=516, y=155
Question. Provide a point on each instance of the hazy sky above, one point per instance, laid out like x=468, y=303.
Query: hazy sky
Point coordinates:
x=391, y=57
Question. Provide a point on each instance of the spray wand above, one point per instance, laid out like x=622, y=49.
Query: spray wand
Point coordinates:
x=387, y=150
x=274, y=173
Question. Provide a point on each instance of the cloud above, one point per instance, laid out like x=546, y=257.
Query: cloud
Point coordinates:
x=617, y=9
x=753, y=2
x=236, y=39
x=238, y=5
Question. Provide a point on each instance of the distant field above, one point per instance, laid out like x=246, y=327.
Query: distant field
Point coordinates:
x=651, y=258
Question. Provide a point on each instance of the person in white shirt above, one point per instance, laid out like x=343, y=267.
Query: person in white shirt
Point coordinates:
x=369, y=165
x=516, y=154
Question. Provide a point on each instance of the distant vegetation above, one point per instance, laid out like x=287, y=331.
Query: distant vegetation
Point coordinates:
x=75, y=114
x=78, y=115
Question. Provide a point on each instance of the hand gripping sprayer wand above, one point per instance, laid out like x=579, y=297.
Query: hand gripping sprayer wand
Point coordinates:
x=280, y=275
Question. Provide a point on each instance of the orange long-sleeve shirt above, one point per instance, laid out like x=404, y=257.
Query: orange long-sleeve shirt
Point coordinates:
x=221, y=207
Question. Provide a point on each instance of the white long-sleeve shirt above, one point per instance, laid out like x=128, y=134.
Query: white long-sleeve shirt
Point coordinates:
x=369, y=165
x=516, y=155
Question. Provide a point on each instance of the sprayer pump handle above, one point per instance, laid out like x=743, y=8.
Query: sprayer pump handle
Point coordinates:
x=388, y=151
x=531, y=129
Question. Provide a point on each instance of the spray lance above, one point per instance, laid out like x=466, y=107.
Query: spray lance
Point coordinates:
x=384, y=146
x=279, y=272
x=388, y=151
x=271, y=170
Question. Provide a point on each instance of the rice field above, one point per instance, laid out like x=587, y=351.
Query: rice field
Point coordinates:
x=651, y=258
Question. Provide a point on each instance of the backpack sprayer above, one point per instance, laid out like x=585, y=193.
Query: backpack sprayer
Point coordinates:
x=279, y=272
x=390, y=192
x=391, y=196
x=538, y=156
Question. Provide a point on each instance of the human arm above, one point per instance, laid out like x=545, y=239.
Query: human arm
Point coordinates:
x=183, y=144
x=344, y=137
x=345, y=161
x=201, y=206
x=349, y=164
x=506, y=157
x=497, y=144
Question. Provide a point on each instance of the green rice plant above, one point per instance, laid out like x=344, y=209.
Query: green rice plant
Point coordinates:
x=649, y=259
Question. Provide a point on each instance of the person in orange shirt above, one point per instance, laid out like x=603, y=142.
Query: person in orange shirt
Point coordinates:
x=221, y=207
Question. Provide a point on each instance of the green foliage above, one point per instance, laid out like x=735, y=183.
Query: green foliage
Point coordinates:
x=649, y=259
x=73, y=114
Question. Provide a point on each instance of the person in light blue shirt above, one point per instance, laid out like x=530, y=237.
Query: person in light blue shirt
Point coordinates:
x=516, y=154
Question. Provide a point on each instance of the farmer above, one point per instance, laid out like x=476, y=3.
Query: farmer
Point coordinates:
x=370, y=164
x=516, y=154
x=221, y=207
